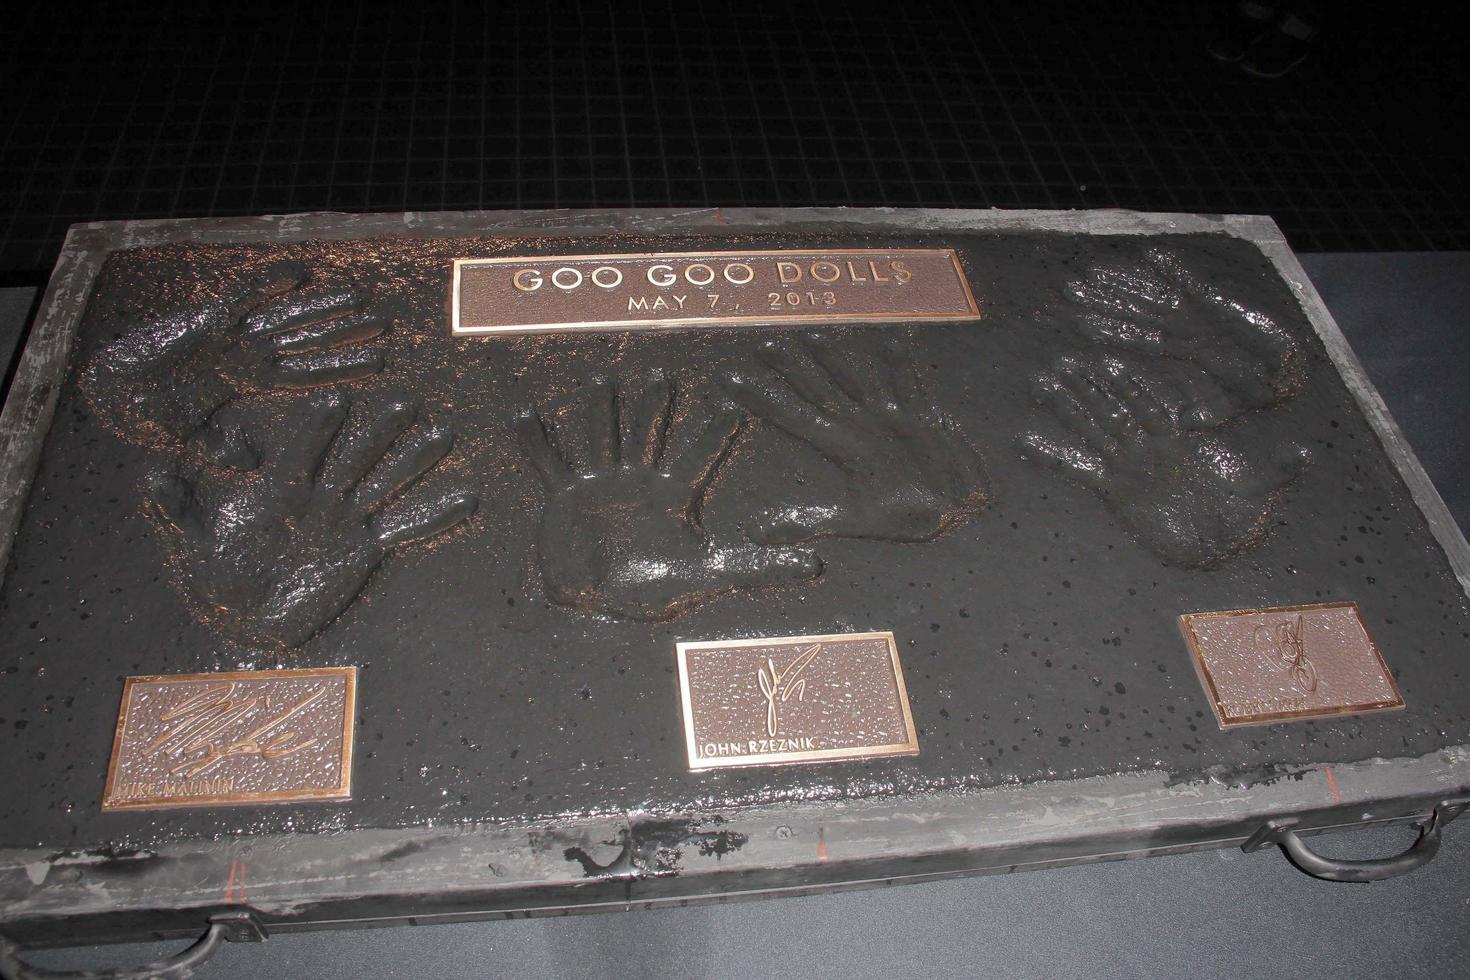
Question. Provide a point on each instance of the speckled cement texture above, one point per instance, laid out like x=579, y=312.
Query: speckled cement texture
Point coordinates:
x=1038, y=634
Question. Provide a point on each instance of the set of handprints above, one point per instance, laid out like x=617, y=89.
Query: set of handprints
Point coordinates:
x=1149, y=414
x=1144, y=416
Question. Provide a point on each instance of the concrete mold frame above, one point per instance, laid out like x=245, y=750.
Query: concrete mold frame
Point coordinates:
x=638, y=859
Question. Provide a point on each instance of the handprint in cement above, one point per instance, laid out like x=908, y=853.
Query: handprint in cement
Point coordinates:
x=1243, y=359
x=272, y=557
x=621, y=530
x=1188, y=496
x=908, y=473
x=164, y=379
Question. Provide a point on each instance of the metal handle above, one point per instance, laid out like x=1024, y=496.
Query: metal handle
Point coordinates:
x=227, y=926
x=1418, y=854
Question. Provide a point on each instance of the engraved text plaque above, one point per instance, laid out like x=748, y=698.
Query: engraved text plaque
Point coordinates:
x=777, y=700
x=570, y=293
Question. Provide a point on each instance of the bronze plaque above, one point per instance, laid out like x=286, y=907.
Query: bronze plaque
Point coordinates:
x=567, y=293
x=784, y=699
x=250, y=736
x=1261, y=666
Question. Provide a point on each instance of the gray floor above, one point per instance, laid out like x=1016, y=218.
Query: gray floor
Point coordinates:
x=1212, y=914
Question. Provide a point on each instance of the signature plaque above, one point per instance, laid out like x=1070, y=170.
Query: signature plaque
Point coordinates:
x=778, y=700
x=253, y=736
x=1261, y=666
x=650, y=290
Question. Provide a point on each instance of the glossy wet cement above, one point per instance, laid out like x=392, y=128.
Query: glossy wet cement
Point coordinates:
x=1036, y=624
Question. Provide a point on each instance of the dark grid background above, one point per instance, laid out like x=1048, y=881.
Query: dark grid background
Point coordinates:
x=134, y=110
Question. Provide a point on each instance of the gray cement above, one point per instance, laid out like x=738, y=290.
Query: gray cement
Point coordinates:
x=1038, y=635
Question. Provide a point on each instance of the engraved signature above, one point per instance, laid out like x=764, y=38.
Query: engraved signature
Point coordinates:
x=778, y=686
x=200, y=738
x=1281, y=646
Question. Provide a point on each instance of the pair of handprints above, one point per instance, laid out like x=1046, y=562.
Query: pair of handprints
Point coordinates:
x=271, y=547
x=1152, y=425
x=622, y=529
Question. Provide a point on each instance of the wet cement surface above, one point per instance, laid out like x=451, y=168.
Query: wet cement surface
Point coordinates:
x=1038, y=636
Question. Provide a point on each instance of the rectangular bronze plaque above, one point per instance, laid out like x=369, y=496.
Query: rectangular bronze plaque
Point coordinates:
x=250, y=736
x=783, y=699
x=566, y=293
x=1261, y=666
